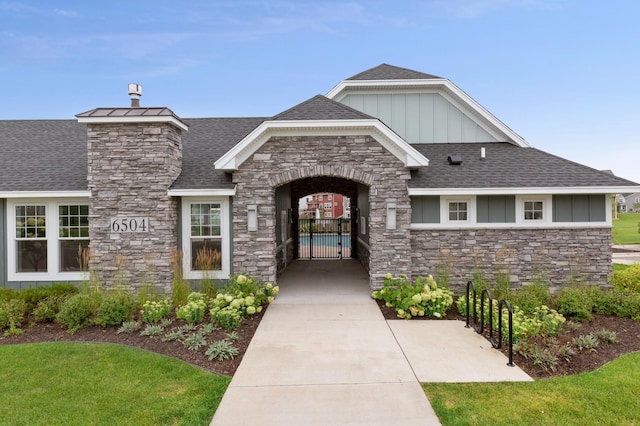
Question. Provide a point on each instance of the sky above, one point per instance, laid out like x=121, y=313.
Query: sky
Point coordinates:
x=563, y=74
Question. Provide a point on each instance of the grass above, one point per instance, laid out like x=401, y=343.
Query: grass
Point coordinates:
x=625, y=229
x=103, y=384
x=619, y=267
x=608, y=396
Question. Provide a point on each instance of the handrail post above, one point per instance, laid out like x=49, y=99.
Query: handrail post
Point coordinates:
x=510, y=324
x=490, y=302
x=471, y=285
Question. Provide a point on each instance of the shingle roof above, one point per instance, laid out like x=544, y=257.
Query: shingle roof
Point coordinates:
x=43, y=155
x=321, y=108
x=206, y=141
x=505, y=166
x=390, y=72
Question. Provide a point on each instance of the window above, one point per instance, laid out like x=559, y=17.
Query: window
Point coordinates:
x=31, y=238
x=328, y=214
x=320, y=197
x=47, y=239
x=330, y=197
x=73, y=234
x=327, y=205
x=206, y=237
x=533, y=210
x=458, y=211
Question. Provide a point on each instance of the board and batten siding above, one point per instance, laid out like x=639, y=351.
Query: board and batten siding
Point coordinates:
x=420, y=117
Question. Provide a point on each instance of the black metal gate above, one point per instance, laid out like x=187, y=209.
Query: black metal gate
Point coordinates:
x=324, y=238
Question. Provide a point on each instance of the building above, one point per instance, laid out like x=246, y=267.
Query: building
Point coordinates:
x=433, y=178
x=325, y=205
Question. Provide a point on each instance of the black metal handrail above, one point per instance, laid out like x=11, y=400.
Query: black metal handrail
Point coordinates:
x=479, y=328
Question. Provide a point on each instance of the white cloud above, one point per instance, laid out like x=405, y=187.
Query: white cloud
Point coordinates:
x=68, y=13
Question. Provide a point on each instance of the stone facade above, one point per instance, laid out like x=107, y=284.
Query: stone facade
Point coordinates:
x=282, y=160
x=559, y=255
x=131, y=167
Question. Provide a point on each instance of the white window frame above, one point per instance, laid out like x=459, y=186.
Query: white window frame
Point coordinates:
x=327, y=206
x=52, y=227
x=330, y=197
x=225, y=234
x=547, y=209
x=471, y=210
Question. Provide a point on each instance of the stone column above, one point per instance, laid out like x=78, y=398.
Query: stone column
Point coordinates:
x=132, y=164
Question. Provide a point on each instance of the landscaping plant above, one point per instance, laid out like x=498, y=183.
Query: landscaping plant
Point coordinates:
x=423, y=299
x=77, y=311
x=193, y=311
x=11, y=316
x=155, y=310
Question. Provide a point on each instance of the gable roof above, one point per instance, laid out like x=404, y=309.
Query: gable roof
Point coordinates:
x=508, y=169
x=391, y=72
x=319, y=116
x=391, y=79
x=321, y=108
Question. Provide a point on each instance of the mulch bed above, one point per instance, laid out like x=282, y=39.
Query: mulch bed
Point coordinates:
x=95, y=334
x=627, y=330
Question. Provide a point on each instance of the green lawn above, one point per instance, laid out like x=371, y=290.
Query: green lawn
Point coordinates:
x=608, y=396
x=103, y=384
x=625, y=229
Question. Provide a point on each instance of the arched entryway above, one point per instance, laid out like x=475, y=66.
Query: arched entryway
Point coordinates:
x=294, y=233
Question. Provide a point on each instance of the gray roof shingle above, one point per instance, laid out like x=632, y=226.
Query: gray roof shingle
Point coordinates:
x=43, y=155
x=321, y=108
x=390, y=72
x=505, y=166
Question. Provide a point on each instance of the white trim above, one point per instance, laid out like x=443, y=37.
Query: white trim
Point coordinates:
x=523, y=191
x=547, y=210
x=551, y=225
x=471, y=211
x=443, y=86
x=225, y=233
x=44, y=194
x=52, y=231
x=202, y=192
x=292, y=128
x=134, y=119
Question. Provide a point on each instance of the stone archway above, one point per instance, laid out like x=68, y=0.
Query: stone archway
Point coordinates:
x=266, y=182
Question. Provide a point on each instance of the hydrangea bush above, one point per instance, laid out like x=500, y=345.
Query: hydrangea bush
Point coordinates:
x=241, y=297
x=155, y=310
x=543, y=321
x=193, y=311
x=423, y=298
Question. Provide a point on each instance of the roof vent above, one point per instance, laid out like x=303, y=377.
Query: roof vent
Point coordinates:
x=455, y=160
x=135, y=91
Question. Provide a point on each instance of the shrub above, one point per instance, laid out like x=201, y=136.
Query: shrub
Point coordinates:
x=228, y=318
x=152, y=330
x=129, y=327
x=154, y=311
x=77, y=311
x=588, y=342
x=221, y=350
x=193, y=311
x=194, y=342
x=529, y=297
x=11, y=315
x=629, y=279
x=48, y=308
x=621, y=303
x=424, y=298
x=575, y=302
x=7, y=293
x=241, y=297
x=116, y=308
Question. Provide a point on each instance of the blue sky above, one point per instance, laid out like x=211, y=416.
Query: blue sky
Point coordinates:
x=564, y=74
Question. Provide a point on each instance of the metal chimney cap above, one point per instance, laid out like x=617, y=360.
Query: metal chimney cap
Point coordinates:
x=135, y=89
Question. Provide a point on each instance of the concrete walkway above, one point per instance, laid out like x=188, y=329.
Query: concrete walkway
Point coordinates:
x=626, y=254
x=324, y=355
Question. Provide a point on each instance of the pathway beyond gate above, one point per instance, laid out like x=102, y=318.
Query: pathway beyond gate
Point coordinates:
x=323, y=354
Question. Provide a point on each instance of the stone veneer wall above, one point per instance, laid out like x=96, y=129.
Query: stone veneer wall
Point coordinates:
x=285, y=159
x=131, y=167
x=557, y=254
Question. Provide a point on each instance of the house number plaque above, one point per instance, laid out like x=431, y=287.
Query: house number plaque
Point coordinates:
x=130, y=224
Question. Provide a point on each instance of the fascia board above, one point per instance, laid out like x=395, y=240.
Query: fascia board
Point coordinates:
x=45, y=194
x=524, y=191
x=254, y=140
x=134, y=119
x=202, y=192
x=446, y=86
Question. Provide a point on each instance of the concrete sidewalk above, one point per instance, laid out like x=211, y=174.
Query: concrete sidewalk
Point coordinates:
x=628, y=254
x=324, y=355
